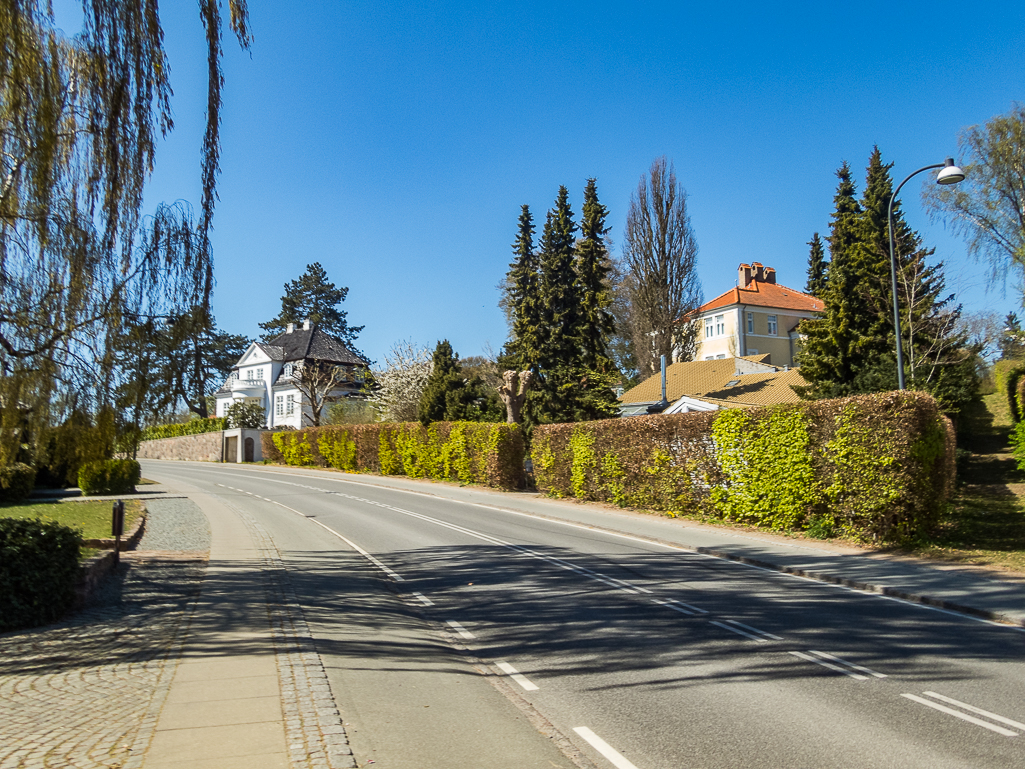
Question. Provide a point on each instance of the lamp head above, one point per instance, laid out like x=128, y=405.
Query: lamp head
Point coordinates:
x=950, y=174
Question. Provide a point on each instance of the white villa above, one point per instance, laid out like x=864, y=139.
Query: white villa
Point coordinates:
x=268, y=372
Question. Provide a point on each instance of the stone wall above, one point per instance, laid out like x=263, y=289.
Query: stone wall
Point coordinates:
x=205, y=447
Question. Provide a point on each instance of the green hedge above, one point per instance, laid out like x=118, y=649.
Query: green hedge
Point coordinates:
x=38, y=571
x=16, y=482
x=877, y=467
x=110, y=476
x=1013, y=381
x=192, y=427
x=485, y=453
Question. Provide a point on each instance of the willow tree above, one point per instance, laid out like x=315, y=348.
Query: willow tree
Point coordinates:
x=79, y=121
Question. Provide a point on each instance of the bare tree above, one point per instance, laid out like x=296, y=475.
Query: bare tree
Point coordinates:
x=660, y=262
x=317, y=382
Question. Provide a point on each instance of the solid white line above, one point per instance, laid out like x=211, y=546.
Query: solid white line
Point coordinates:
x=738, y=631
x=962, y=716
x=974, y=709
x=423, y=599
x=850, y=664
x=753, y=629
x=830, y=665
x=674, y=605
x=516, y=676
x=614, y=756
x=460, y=629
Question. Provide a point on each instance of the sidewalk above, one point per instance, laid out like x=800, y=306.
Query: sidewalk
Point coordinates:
x=971, y=590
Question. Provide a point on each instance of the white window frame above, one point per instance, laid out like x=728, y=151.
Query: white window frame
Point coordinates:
x=721, y=356
x=289, y=404
x=773, y=326
x=709, y=327
x=752, y=352
x=279, y=406
x=720, y=325
x=750, y=323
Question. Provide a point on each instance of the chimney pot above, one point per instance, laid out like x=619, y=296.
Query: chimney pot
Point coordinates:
x=744, y=275
x=291, y=328
x=770, y=275
x=306, y=325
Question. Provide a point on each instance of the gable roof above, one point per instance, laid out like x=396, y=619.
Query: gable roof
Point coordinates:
x=313, y=344
x=709, y=380
x=759, y=293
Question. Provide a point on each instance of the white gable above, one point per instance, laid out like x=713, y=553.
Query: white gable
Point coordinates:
x=252, y=356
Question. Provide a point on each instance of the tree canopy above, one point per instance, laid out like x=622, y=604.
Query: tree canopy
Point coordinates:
x=317, y=299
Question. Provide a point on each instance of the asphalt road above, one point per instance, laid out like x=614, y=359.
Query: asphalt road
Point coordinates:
x=459, y=634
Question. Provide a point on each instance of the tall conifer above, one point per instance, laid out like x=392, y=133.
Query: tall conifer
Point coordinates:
x=524, y=349
x=818, y=267
x=593, y=268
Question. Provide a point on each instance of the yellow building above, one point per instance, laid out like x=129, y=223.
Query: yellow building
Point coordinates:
x=757, y=317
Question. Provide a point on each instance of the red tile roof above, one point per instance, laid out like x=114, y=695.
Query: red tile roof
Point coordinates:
x=761, y=294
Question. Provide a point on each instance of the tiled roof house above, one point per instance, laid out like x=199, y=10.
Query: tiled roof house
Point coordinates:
x=757, y=317
x=267, y=373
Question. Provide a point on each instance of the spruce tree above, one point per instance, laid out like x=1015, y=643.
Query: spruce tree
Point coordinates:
x=818, y=267
x=524, y=348
x=445, y=364
x=593, y=268
x=451, y=396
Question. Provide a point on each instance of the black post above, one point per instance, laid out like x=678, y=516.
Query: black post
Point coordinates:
x=117, y=528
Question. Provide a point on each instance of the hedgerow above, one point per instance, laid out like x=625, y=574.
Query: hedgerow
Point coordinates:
x=38, y=571
x=877, y=467
x=484, y=453
x=109, y=476
x=192, y=427
x=16, y=482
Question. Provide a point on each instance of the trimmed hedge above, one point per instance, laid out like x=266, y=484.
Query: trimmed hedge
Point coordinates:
x=192, y=427
x=38, y=571
x=16, y=482
x=485, y=453
x=876, y=467
x=109, y=476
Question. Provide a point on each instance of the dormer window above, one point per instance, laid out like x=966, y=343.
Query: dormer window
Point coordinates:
x=289, y=368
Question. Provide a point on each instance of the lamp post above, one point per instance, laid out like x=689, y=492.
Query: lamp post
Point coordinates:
x=950, y=174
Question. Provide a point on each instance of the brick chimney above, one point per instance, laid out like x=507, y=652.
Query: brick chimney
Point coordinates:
x=759, y=271
x=290, y=328
x=744, y=275
x=770, y=275
x=306, y=325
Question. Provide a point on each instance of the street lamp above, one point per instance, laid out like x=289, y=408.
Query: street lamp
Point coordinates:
x=950, y=174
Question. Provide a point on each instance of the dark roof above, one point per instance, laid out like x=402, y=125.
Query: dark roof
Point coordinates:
x=273, y=352
x=311, y=344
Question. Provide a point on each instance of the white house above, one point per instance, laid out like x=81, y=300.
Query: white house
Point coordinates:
x=268, y=374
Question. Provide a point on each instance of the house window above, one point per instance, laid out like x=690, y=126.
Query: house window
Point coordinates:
x=288, y=369
x=709, y=328
x=752, y=351
x=290, y=404
x=720, y=357
x=709, y=357
x=750, y=323
x=720, y=325
x=259, y=373
x=249, y=375
x=772, y=325
x=234, y=375
x=279, y=406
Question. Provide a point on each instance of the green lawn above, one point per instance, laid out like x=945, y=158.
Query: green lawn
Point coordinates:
x=91, y=518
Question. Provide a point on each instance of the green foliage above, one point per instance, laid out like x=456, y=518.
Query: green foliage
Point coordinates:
x=490, y=454
x=192, y=427
x=876, y=467
x=1017, y=439
x=315, y=298
x=109, y=476
x=16, y=482
x=246, y=414
x=81, y=438
x=818, y=267
x=38, y=571
x=1013, y=378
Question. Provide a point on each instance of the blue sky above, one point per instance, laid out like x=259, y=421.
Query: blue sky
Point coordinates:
x=395, y=142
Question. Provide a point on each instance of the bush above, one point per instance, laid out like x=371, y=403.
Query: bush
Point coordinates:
x=247, y=414
x=876, y=467
x=110, y=476
x=468, y=452
x=192, y=427
x=16, y=482
x=38, y=571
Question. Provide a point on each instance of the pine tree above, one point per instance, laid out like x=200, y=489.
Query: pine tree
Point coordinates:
x=818, y=267
x=451, y=396
x=445, y=363
x=315, y=298
x=593, y=268
x=523, y=350
x=559, y=290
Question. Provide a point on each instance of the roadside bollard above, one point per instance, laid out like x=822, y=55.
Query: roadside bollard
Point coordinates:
x=117, y=528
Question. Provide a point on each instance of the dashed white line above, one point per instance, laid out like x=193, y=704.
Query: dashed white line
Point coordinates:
x=974, y=709
x=830, y=665
x=460, y=629
x=614, y=756
x=848, y=664
x=516, y=676
x=423, y=599
x=738, y=631
x=963, y=716
x=755, y=630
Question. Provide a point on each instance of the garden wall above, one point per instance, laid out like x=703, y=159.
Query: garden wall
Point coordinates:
x=485, y=453
x=877, y=467
x=205, y=447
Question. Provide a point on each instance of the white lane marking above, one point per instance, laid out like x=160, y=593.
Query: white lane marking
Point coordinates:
x=974, y=709
x=346, y=540
x=754, y=630
x=516, y=676
x=849, y=664
x=460, y=629
x=830, y=665
x=423, y=599
x=962, y=716
x=738, y=631
x=613, y=755
x=675, y=606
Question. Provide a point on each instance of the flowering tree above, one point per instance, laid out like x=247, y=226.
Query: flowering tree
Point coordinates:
x=401, y=382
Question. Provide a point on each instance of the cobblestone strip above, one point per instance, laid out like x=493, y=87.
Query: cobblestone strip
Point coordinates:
x=313, y=726
x=85, y=692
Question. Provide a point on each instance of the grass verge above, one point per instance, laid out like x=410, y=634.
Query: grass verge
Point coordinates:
x=91, y=518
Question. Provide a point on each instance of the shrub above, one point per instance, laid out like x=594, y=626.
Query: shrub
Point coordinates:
x=877, y=467
x=1013, y=379
x=16, y=482
x=468, y=452
x=38, y=571
x=192, y=427
x=110, y=476
x=246, y=414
